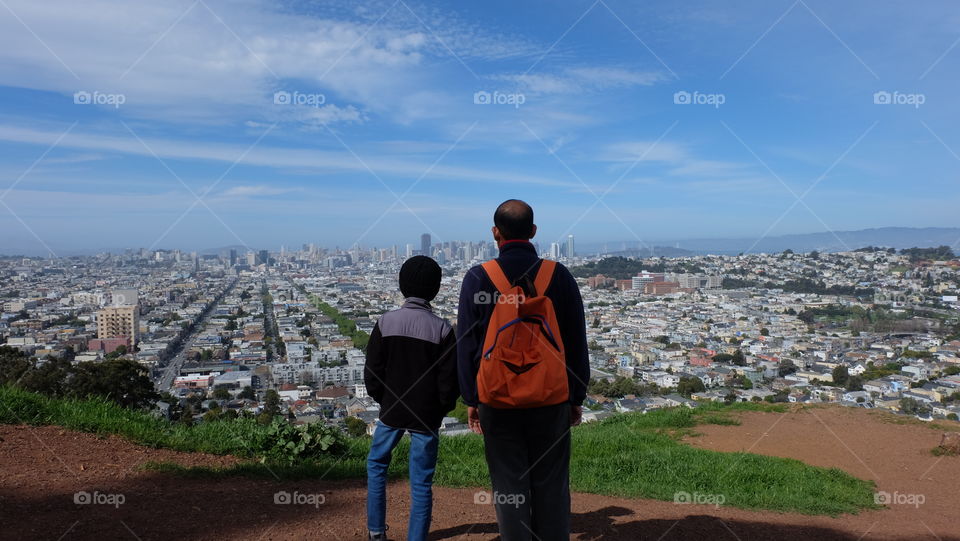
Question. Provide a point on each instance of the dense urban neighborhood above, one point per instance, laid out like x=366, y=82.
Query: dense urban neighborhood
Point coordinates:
x=198, y=337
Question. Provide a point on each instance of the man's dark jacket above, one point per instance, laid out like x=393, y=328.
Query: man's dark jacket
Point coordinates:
x=411, y=368
x=519, y=258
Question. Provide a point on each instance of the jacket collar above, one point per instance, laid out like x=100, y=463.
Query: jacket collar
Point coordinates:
x=509, y=245
x=416, y=303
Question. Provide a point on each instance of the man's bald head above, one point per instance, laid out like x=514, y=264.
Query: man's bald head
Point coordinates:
x=514, y=220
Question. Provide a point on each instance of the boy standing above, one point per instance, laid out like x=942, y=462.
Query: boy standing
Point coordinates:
x=411, y=371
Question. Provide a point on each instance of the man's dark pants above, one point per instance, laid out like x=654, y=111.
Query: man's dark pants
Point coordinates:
x=528, y=453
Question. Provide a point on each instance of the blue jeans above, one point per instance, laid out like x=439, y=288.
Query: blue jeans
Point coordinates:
x=423, y=462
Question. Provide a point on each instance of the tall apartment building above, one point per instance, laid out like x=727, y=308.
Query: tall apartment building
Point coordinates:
x=119, y=321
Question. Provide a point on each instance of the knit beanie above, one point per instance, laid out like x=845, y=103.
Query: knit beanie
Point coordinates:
x=420, y=277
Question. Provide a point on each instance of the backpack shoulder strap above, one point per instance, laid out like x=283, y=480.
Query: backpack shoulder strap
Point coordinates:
x=496, y=275
x=544, y=275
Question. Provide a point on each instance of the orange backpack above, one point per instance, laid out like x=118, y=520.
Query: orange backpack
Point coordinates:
x=522, y=364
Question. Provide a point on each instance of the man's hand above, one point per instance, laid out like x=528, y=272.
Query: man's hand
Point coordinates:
x=576, y=415
x=473, y=419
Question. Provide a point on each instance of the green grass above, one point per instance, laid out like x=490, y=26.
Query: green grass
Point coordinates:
x=630, y=455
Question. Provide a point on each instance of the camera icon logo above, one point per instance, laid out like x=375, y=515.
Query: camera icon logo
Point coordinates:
x=82, y=498
x=882, y=498
x=482, y=297
x=882, y=97
x=282, y=498
x=481, y=97
x=482, y=497
x=82, y=97
x=681, y=98
x=682, y=497
x=281, y=97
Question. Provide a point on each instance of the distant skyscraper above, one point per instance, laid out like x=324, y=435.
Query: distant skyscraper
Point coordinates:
x=570, y=250
x=425, y=244
x=233, y=257
x=555, y=250
x=251, y=258
x=264, y=257
x=409, y=252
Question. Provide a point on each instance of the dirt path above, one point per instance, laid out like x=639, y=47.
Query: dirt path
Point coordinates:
x=41, y=470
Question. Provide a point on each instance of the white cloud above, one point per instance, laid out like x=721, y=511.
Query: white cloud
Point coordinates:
x=263, y=155
x=581, y=79
x=182, y=61
x=251, y=191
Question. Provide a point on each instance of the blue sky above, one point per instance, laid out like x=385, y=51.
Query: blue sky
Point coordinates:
x=190, y=145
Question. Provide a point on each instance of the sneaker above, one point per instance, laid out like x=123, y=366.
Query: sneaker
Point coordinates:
x=380, y=536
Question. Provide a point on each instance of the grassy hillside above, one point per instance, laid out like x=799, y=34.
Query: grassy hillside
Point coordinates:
x=631, y=455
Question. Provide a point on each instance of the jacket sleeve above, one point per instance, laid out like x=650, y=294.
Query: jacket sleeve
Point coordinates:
x=375, y=369
x=573, y=328
x=447, y=384
x=469, y=335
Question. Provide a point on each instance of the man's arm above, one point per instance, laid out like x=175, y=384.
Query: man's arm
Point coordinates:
x=573, y=328
x=469, y=336
x=375, y=369
x=447, y=385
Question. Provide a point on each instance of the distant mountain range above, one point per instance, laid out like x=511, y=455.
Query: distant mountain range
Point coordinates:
x=838, y=241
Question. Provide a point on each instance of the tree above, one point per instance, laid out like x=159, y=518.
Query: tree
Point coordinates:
x=231, y=325
x=690, y=385
x=910, y=406
x=123, y=381
x=738, y=358
x=764, y=331
x=599, y=386
x=786, y=368
x=186, y=416
x=854, y=383
x=49, y=378
x=840, y=375
x=730, y=398
x=722, y=358
x=221, y=393
x=356, y=427
x=247, y=393
x=271, y=404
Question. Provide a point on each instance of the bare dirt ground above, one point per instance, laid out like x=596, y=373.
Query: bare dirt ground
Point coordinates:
x=42, y=470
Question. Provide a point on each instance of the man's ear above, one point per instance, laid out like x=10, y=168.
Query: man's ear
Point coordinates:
x=533, y=231
x=496, y=233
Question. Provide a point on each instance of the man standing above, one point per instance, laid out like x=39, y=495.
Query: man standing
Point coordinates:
x=527, y=444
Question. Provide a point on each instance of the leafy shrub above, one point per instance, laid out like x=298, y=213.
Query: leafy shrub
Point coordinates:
x=287, y=443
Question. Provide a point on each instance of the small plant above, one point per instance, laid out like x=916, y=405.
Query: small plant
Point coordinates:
x=287, y=443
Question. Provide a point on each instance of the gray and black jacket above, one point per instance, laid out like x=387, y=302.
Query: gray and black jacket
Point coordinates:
x=411, y=368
